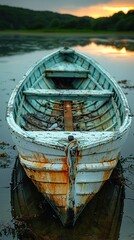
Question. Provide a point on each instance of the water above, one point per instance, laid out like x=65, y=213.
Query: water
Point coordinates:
x=17, y=55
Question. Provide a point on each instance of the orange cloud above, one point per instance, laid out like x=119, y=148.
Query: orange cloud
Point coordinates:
x=101, y=10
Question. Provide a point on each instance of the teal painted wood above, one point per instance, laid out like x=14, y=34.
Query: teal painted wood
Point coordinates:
x=66, y=70
x=71, y=95
x=69, y=119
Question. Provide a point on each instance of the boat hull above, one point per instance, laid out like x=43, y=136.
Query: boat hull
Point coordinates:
x=105, y=207
x=69, y=119
x=67, y=191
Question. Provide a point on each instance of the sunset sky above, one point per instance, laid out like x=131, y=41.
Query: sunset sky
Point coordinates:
x=92, y=8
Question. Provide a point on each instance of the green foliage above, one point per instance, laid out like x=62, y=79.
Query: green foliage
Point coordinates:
x=12, y=18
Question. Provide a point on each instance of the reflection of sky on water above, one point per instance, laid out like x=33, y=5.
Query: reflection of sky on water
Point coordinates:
x=9, y=45
x=118, y=62
x=104, y=49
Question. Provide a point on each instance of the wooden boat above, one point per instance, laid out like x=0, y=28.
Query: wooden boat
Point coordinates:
x=35, y=219
x=69, y=119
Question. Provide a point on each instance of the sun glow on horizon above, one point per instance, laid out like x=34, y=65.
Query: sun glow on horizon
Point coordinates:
x=117, y=9
x=99, y=10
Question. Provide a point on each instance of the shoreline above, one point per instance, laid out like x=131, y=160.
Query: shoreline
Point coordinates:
x=64, y=33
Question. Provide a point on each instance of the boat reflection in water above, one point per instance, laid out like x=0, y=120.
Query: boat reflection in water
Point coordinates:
x=35, y=219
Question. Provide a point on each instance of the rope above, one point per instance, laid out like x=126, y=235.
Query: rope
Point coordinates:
x=71, y=144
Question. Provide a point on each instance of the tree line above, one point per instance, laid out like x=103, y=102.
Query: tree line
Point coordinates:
x=13, y=18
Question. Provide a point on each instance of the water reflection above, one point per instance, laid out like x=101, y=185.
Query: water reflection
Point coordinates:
x=12, y=44
x=35, y=219
x=107, y=50
x=113, y=50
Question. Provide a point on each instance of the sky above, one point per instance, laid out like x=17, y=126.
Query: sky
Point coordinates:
x=92, y=8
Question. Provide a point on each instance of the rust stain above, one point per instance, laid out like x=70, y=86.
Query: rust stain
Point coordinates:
x=52, y=188
x=36, y=157
x=55, y=184
x=63, y=159
x=45, y=159
x=58, y=200
x=26, y=157
x=65, y=165
x=79, y=156
x=47, y=176
x=107, y=174
x=90, y=197
x=42, y=158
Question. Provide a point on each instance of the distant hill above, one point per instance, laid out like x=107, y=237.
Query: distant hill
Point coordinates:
x=13, y=18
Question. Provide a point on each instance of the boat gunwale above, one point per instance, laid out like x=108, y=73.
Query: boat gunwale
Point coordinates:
x=43, y=137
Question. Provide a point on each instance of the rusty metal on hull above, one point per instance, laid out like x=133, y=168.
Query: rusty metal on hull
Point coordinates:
x=69, y=186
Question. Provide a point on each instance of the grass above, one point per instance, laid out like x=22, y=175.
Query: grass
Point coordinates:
x=63, y=31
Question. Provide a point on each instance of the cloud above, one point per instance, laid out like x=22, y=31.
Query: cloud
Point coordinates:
x=52, y=4
x=93, y=8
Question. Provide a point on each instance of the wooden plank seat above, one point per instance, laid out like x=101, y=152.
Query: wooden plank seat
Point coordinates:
x=66, y=70
x=68, y=95
x=67, y=74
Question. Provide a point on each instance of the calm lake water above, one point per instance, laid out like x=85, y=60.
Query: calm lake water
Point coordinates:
x=17, y=55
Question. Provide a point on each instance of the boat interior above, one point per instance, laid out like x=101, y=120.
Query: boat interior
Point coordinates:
x=67, y=92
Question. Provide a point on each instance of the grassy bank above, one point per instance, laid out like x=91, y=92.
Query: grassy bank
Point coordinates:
x=65, y=32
